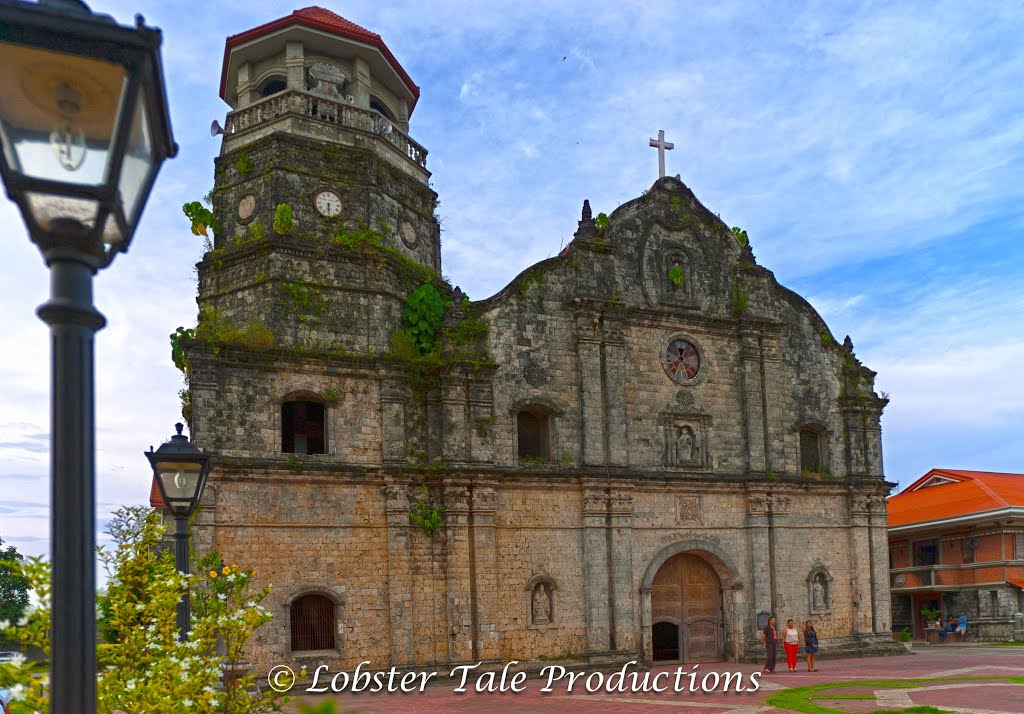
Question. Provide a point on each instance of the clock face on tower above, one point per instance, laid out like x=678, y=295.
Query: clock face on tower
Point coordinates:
x=327, y=203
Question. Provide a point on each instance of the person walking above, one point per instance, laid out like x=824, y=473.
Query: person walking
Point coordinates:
x=810, y=644
x=791, y=641
x=771, y=643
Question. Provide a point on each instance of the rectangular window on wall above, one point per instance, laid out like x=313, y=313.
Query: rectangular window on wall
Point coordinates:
x=967, y=548
x=994, y=600
x=926, y=552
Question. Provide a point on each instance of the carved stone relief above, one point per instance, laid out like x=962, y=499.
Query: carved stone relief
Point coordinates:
x=689, y=511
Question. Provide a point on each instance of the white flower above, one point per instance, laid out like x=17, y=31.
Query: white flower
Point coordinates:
x=17, y=692
x=18, y=660
x=222, y=596
x=4, y=624
x=187, y=702
x=130, y=684
x=23, y=620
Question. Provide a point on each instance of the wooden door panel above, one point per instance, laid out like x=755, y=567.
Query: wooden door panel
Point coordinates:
x=687, y=590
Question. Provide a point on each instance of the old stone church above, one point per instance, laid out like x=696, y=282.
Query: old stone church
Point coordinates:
x=635, y=450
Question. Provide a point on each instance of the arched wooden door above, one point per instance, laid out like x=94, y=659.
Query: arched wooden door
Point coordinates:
x=687, y=594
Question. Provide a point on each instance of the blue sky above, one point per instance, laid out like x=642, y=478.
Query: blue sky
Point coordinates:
x=872, y=151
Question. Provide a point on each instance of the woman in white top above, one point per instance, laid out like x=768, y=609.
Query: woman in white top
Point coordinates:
x=791, y=641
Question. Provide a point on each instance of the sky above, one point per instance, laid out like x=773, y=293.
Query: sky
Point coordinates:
x=872, y=151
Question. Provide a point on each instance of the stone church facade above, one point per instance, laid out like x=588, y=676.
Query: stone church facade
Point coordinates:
x=635, y=450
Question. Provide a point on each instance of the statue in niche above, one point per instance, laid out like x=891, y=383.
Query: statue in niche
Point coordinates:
x=819, y=593
x=541, y=604
x=683, y=449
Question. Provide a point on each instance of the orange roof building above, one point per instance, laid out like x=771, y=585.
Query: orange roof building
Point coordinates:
x=956, y=544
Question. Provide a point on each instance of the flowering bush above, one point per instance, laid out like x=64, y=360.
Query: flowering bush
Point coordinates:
x=142, y=666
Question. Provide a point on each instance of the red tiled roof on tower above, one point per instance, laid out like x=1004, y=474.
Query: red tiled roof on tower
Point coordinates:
x=318, y=18
x=946, y=493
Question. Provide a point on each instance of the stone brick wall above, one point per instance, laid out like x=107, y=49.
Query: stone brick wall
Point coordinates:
x=580, y=338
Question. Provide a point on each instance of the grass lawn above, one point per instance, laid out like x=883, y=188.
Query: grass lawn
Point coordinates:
x=801, y=699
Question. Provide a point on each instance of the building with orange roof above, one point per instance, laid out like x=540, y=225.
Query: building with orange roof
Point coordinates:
x=956, y=543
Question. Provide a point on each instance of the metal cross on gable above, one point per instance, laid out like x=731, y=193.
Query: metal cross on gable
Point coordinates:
x=662, y=146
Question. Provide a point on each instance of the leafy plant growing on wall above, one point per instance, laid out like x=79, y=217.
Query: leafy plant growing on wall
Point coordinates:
x=675, y=275
x=741, y=236
x=426, y=514
x=423, y=314
x=601, y=222
x=202, y=218
x=283, y=219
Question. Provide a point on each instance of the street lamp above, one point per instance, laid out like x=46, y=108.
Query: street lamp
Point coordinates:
x=83, y=130
x=180, y=470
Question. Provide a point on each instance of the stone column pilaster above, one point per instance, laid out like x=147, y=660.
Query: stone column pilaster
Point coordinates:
x=595, y=568
x=880, y=594
x=760, y=568
x=485, y=560
x=459, y=592
x=295, y=65
x=360, y=84
x=392, y=421
x=860, y=564
x=481, y=422
x=753, y=400
x=614, y=366
x=588, y=348
x=623, y=595
x=453, y=412
x=399, y=575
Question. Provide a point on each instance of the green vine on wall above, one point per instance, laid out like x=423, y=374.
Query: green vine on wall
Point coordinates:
x=739, y=300
x=306, y=297
x=244, y=164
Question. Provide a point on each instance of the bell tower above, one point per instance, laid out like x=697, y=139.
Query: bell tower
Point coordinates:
x=318, y=132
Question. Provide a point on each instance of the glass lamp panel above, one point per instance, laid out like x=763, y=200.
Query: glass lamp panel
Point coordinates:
x=180, y=481
x=138, y=159
x=112, y=234
x=58, y=113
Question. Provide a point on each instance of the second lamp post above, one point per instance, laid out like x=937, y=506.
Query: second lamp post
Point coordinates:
x=180, y=470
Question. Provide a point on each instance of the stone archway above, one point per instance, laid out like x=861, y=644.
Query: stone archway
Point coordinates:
x=686, y=601
x=691, y=598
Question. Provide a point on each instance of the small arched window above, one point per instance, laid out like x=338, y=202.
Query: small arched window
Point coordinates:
x=812, y=451
x=378, y=105
x=533, y=425
x=273, y=86
x=312, y=623
x=303, y=427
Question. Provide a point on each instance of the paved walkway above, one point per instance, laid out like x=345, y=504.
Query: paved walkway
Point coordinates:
x=938, y=662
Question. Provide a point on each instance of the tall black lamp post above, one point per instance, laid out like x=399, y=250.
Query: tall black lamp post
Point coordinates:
x=180, y=470
x=83, y=130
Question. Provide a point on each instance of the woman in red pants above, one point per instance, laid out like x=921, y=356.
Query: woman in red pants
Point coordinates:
x=791, y=641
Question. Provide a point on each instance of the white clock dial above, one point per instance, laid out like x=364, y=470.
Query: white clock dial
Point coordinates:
x=327, y=203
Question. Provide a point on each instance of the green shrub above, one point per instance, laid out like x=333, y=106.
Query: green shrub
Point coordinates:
x=601, y=221
x=741, y=236
x=675, y=275
x=283, y=219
